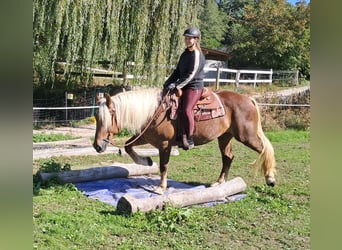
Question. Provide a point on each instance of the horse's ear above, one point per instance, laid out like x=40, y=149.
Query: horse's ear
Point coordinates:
x=98, y=98
x=109, y=102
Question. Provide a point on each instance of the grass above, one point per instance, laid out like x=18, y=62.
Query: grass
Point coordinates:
x=267, y=218
x=44, y=137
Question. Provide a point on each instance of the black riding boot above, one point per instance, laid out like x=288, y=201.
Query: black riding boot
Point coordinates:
x=179, y=141
x=185, y=142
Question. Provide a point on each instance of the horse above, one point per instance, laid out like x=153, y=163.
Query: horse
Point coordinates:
x=143, y=112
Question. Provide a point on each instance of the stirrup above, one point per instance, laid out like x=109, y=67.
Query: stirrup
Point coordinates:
x=191, y=142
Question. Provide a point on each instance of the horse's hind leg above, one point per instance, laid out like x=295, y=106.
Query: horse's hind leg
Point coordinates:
x=146, y=161
x=225, y=145
x=266, y=160
x=257, y=141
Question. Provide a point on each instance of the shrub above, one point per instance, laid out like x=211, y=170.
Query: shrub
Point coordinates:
x=275, y=118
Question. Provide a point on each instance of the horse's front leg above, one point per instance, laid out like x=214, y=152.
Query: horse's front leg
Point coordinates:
x=146, y=161
x=164, y=156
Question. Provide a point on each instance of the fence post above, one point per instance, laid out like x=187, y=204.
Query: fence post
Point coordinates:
x=271, y=77
x=217, y=76
x=255, y=78
x=124, y=73
x=237, y=78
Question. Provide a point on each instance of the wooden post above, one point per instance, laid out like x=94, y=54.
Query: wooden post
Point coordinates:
x=217, y=77
x=237, y=79
x=296, y=78
x=118, y=170
x=124, y=74
x=255, y=78
x=129, y=204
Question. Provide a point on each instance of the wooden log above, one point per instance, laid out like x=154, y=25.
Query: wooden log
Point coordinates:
x=118, y=170
x=129, y=204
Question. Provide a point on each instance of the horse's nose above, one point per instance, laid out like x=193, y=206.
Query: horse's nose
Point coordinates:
x=270, y=181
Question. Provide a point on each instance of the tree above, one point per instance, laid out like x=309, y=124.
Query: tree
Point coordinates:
x=268, y=34
x=301, y=26
x=86, y=32
x=213, y=24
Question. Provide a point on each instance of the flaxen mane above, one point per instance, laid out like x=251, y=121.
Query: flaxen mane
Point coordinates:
x=133, y=108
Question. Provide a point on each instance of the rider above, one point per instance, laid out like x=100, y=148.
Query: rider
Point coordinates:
x=188, y=76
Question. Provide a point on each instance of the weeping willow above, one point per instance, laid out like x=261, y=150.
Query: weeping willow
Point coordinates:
x=82, y=33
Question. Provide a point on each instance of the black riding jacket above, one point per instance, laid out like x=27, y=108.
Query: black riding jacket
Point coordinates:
x=189, y=72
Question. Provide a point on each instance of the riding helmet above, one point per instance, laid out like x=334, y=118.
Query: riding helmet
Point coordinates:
x=192, y=32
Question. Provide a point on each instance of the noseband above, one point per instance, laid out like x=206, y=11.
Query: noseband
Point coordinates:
x=112, y=112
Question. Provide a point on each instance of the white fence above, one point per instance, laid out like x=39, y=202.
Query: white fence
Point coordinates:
x=222, y=75
x=286, y=76
x=215, y=76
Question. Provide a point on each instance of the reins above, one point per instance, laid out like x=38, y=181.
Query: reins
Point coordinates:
x=159, y=110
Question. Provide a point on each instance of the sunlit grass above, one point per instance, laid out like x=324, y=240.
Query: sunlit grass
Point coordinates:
x=267, y=218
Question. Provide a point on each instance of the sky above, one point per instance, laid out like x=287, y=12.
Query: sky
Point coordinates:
x=294, y=1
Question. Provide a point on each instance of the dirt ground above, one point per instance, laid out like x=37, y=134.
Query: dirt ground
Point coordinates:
x=82, y=146
x=83, y=130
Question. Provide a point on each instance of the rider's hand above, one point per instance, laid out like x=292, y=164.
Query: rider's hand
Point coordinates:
x=171, y=86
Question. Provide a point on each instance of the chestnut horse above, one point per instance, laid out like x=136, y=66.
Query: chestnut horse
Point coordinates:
x=134, y=110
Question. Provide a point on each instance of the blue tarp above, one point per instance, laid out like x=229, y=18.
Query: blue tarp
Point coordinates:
x=111, y=190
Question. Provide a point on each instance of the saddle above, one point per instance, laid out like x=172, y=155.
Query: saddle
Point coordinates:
x=209, y=106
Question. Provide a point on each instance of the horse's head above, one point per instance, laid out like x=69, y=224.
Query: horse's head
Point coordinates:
x=106, y=125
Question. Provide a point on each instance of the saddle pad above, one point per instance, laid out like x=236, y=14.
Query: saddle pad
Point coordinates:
x=209, y=111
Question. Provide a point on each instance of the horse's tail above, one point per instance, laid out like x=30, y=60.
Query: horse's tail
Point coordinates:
x=266, y=160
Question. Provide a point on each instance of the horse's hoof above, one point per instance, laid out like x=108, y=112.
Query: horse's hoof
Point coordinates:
x=215, y=184
x=159, y=190
x=149, y=161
